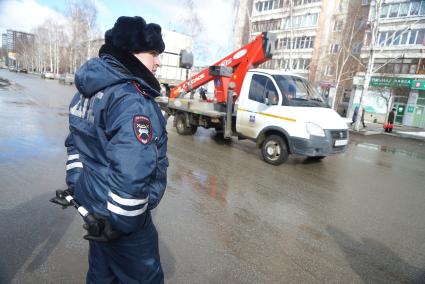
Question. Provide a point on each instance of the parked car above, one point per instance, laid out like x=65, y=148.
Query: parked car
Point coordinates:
x=23, y=70
x=13, y=69
x=48, y=75
x=66, y=78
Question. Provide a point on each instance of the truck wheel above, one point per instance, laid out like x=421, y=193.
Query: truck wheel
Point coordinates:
x=274, y=150
x=181, y=127
x=193, y=129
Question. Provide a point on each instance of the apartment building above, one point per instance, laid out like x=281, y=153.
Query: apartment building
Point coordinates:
x=315, y=39
x=398, y=75
x=15, y=45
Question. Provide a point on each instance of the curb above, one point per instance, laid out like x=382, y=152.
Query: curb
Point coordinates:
x=411, y=136
x=394, y=134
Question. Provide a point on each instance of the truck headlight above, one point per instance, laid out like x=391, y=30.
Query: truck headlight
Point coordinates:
x=314, y=129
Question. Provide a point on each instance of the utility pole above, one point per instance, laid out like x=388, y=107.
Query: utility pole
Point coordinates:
x=374, y=28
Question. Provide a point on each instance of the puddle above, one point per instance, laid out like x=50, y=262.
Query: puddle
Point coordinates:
x=6, y=85
x=201, y=181
x=386, y=149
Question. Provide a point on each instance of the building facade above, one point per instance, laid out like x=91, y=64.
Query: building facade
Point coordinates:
x=398, y=73
x=17, y=45
x=317, y=39
x=170, y=73
x=3, y=50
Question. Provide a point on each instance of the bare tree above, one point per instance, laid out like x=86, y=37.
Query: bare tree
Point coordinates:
x=24, y=49
x=83, y=31
x=346, y=60
x=194, y=28
x=48, y=46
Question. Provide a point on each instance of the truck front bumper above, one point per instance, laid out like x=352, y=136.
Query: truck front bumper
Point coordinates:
x=334, y=141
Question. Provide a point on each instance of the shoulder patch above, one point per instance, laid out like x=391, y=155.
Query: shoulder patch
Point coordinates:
x=142, y=128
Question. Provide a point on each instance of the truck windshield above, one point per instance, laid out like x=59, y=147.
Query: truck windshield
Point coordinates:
x=298, y=92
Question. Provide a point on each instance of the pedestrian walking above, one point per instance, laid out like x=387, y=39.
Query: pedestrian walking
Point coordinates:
x=390, y=122
x=117, y=145
x=355, y=114
x=362, y=118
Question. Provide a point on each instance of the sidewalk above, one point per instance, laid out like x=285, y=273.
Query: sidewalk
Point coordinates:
x=399, y=130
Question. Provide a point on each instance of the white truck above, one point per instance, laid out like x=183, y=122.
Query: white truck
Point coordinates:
x=281, y=112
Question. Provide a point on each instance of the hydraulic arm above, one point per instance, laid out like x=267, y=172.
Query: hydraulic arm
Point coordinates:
x=238, y=63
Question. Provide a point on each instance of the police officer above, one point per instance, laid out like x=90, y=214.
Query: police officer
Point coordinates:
x=117, y=146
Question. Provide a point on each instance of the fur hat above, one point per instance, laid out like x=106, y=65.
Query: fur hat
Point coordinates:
x=132, y=34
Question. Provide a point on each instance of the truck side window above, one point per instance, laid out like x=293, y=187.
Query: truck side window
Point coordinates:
x=256, y=90
x=261, y=86
x=271, y=93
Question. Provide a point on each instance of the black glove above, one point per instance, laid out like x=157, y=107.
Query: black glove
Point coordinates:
x=99, y=229
x=60, y=197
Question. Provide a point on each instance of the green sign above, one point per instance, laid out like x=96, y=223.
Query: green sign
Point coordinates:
x=410, y=109
x=390, y=82
x=418, y=84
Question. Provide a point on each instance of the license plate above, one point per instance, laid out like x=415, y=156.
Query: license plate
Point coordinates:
x=341, y=142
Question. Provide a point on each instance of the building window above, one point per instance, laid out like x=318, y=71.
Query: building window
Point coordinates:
x=397, y=68
x=412, y=38
x=401, y=37
x=384, y=11
x=303, y=2
x=301, y=21
x=309, y=42
x=268, y=5
x=338, y=25
x=411, y=8
x=365, y=2
x=414, y=8
x=404, y=37
x=405, y=68
x=382, y=38
x=334, y=48
x=263, y=26
x=357, y=46
x=404, y=9
x=420, y=39
x=297, y=43
x=394, y=10
x=259, y=6
x=400, y=66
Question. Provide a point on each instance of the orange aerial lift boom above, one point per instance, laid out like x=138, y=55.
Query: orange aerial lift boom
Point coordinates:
x=238, y=63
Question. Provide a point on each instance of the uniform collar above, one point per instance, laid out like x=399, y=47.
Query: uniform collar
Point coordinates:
x=132, y=64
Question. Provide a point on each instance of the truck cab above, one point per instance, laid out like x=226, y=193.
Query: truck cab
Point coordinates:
x=285, y=115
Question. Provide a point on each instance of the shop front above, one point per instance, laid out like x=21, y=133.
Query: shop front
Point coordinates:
x=406, y=95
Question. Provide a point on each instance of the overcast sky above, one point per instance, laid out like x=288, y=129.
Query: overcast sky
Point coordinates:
x=216, y=17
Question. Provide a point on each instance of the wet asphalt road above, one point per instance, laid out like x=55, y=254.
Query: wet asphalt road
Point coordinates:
x=227, y=217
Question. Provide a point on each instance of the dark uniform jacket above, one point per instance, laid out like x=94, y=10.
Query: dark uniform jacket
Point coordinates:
x=117, y=144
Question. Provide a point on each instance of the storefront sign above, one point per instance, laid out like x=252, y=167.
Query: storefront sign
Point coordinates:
x=390, y=82
x=418, y=84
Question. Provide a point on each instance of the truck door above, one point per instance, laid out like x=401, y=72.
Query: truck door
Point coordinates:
x=262, y=95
